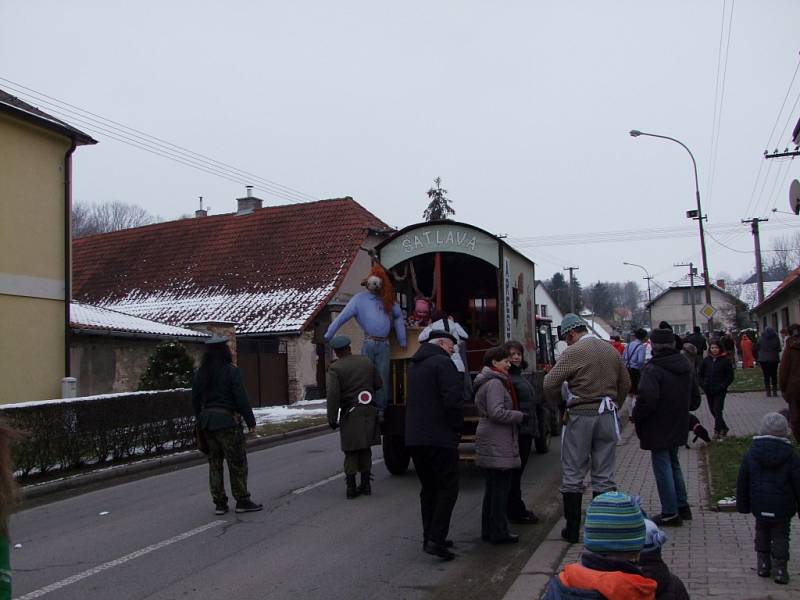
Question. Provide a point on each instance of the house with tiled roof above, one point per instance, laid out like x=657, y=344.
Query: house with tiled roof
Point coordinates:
x=782, y=306
x=674, y=305
x=109, y=350
x=35, y=192
x=275, y=275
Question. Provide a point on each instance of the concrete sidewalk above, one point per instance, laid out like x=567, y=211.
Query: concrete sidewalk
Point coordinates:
x=713, y=554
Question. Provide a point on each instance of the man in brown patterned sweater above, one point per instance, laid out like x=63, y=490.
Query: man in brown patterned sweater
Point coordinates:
x=591, y=382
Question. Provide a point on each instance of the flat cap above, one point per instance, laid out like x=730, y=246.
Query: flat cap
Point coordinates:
x=438, y=333
x=217, y=339
x=339, y=342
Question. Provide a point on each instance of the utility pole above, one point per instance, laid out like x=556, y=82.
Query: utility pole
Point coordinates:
x=692, y=273
x=757, y=241
x=571, y=288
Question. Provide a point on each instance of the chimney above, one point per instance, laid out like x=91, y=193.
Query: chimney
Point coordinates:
x=721, y=283
x=202, y=212
x=249, y=203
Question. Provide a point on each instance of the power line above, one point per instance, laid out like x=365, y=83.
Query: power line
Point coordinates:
x=717, y=121
x=144, y=141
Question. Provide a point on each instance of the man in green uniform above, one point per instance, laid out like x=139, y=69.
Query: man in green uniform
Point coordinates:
x=352, y=382
x=220, y=405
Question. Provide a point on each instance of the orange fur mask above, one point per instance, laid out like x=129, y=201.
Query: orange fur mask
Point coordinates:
x=386, y=292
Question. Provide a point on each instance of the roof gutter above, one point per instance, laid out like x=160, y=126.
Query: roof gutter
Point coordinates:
x=136, y=335
x=68, y=252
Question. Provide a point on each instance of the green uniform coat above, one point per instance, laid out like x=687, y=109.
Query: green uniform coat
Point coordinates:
x=358, y=423
x=226, y=399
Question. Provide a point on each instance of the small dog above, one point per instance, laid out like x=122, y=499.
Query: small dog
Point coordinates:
x=698, y=430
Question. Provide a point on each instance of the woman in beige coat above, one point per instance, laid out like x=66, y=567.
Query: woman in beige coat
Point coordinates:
x=496, y=444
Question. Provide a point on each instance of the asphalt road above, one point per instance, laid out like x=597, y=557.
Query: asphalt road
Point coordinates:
x=157, y=537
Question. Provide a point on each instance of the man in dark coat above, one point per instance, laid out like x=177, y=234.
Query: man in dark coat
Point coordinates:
x=220, y=405
x=351, y=384
x=790, y=377
x=698, y=340
x=661, y=416
x=434, y=417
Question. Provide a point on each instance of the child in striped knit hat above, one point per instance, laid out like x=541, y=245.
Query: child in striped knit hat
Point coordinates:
x=614, y=535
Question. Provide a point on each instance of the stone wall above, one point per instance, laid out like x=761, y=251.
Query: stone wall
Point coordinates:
x=105, y=364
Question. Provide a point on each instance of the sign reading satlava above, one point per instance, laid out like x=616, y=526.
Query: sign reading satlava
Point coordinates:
x=426, y=239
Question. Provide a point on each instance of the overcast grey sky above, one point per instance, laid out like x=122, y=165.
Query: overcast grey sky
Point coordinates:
x=523, y=109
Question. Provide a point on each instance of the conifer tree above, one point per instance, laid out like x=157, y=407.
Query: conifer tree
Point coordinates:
x=439, y=207
x=169, y=367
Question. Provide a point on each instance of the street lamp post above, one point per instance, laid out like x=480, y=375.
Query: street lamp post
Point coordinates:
x=647, y=277
x=700, y=217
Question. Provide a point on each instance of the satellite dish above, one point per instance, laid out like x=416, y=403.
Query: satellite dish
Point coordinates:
x=794, y=197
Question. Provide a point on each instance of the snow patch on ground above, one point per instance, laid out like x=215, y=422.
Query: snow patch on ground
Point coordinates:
x=304, y=409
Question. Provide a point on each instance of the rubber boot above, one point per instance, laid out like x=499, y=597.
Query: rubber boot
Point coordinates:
x=365, y=489
x=763, y=564
x=352, y=491
x=781, y=573
x=572, y=513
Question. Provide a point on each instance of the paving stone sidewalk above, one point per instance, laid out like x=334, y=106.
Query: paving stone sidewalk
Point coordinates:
x=713, y=554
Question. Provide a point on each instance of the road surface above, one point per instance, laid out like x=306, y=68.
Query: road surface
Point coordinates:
x=157, y=537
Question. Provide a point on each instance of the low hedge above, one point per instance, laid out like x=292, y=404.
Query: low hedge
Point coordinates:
x=68, y=434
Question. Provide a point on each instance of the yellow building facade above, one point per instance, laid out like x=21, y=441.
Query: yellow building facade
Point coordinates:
x=35, y=169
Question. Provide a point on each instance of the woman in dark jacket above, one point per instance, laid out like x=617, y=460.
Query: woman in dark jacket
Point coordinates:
x=716, y=374
x=517, y=511
x=496, y=445
x=768, y=355
x=220, y=404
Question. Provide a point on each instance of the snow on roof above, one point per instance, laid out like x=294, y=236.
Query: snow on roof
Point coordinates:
x=270, y=271
x=86, y=316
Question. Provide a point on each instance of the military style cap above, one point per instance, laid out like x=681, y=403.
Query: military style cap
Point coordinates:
x=217, y=339
x=437, y=333
x=570, y=322
x=340, y=341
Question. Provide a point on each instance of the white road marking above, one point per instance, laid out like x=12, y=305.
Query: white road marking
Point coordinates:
x=312, y=486
x=117, y=562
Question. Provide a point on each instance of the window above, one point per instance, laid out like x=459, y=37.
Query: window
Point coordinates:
x=544, y=310
x=775, y=322
x=679, y=329
x=687, y=298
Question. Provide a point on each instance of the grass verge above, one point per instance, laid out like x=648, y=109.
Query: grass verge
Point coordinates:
x=724, y=459
x=747, y=380
x=286, y=426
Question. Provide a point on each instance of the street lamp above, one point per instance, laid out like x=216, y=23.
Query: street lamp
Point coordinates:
x=647, y=277
x=699, y=217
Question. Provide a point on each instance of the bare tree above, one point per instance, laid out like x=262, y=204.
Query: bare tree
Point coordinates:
x=785, y=256
x=89, y=219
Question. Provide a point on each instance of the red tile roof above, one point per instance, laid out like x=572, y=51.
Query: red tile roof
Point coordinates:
x=269, y=271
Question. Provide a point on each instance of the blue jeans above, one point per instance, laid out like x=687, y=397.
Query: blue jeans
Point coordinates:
x=669, y=480
x=378, y=353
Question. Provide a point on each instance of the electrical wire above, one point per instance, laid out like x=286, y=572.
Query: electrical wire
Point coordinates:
x=719, y=100
x=134, y=137
x=753, y=199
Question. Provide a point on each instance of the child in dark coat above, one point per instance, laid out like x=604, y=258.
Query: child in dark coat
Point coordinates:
x=716, y=374
x=769, y=487
x=652, y=565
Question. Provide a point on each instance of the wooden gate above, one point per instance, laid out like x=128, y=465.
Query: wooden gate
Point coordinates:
x=264, y=371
